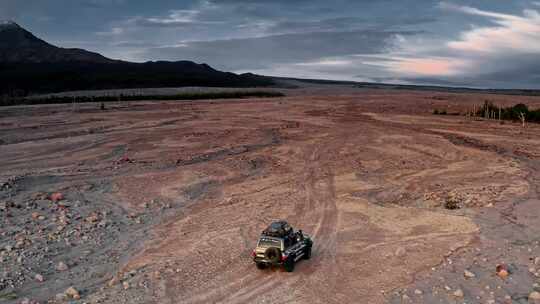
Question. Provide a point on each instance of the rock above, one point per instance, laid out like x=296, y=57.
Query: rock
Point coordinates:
x=537, y=261
x=468, y=274
x=125, y=285
x=35, y=215
x=72, y=293
x=56, y=197
x=503, y=274
x=39, y=278
x=62, y=266
x=20, y=244
x=113, y=282
x=458, y=293
x=405, y=298
x=400, y=252
x=502, y=271
x=92, y=218
x=418, y=292
x=534, y=297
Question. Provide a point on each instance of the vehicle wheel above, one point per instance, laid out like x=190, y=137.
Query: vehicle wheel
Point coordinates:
x=273, y=254
x=307, y=253
x=289, y=264
x=261, y=265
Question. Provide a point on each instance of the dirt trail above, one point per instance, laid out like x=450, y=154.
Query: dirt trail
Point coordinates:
x=190, y=186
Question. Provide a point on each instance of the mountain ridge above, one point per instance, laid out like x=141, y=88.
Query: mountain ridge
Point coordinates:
x=30, y=65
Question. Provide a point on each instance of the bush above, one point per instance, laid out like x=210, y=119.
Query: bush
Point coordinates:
x=510, y=113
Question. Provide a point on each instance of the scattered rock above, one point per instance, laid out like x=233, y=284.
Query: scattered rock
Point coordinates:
x=92, y=218
x=453, y=201
x=125, y=285
x=113, y=282
x=458, y=293
x=72, y=293
x=418, y=292
x=534, y=297
x=56, y=197
x=39, y=278
x=502, y=271
x=62, y=266
x=468, y=274
x=537, y=261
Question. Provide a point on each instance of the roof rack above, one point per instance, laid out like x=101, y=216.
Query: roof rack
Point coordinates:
x=278, y=229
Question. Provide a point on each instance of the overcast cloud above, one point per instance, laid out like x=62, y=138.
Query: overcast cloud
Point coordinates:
x=476, y=43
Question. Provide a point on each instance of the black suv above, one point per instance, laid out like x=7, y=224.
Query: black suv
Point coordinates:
x=279, y=244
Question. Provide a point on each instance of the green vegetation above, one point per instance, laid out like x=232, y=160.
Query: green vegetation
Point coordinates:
x=520, y=112
x=182, y=96
x=489, y=110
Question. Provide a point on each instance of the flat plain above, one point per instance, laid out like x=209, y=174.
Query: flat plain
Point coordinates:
x=163, y=201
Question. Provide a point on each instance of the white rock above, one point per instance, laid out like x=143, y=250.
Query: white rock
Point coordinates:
x=468, y=274
x=39, y=278
x=458, y=293
x=62, y=266
x=418, y=292
x=73, y=293
x=534, y=297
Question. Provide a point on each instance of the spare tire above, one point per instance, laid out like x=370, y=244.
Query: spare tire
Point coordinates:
x=273, y=254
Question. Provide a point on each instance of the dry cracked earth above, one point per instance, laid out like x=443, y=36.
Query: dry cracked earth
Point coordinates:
x=162, y=202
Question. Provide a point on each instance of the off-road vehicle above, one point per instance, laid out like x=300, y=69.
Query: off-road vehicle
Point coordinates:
x=279, y=244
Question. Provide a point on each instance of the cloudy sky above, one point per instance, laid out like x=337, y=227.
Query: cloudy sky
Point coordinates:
x=474, y=43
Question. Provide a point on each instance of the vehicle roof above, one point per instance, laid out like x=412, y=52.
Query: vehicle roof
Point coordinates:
x=271, y=237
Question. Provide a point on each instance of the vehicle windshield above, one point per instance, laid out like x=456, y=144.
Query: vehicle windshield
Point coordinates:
x=269, y=242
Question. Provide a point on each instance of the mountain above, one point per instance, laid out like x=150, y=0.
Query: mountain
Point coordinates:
x=29, y=65
x=18, y=45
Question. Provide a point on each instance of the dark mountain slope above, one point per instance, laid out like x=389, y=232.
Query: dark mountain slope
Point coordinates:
x=29, y=65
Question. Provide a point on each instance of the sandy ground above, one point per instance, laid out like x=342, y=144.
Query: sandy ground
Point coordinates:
x=164, y=201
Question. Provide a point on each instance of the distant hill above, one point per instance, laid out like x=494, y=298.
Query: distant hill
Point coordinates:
x=29, y=65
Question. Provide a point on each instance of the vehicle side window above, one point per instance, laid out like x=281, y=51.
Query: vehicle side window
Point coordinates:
x=287, y=242
x=293, y=239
